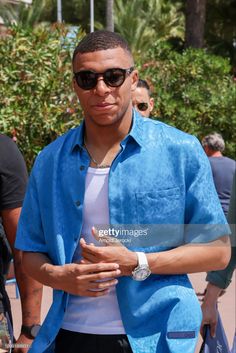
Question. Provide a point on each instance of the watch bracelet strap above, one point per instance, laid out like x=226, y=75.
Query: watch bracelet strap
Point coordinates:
x=142, y=259
x=26, y=330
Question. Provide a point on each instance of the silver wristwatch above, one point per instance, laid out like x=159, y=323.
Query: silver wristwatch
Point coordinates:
x=142, y=271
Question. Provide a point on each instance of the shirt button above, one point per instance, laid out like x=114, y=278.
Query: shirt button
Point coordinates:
x=78, y=203
x=82, y=167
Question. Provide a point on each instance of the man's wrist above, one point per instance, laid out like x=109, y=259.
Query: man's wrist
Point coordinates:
x=212, y=293
x=133, y=261
x=30, y=331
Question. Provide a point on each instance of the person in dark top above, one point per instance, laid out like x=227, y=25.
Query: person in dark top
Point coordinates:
x=220, y=280
x=13, y=181
x=223, y=168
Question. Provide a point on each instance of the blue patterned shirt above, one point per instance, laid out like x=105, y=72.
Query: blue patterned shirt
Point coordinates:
x=161, y=180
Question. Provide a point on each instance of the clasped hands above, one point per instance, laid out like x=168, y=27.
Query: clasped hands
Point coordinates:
x=110, y=253
x=96, y=273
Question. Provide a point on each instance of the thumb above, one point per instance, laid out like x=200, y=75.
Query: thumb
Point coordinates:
x=106, y=240
x=95, y=233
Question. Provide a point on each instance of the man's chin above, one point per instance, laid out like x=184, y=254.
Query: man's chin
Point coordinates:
x=105, y=119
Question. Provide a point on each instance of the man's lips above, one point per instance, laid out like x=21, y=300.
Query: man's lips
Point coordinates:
x=103, y=105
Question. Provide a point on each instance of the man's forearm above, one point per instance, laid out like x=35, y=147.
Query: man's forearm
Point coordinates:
x=30, y=292
x=39, y=267
x=191, y=258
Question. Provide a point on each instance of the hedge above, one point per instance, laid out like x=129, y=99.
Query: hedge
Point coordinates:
x=193, y=90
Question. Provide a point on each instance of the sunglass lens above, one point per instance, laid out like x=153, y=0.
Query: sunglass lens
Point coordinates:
x=142, y=106
x=114, y=77
x=86, y=79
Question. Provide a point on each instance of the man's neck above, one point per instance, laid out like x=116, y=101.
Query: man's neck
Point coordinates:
x=104, y=137
x=215, y=154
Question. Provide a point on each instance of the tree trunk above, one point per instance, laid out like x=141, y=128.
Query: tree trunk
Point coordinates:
x=195, y=23
x=109, y=16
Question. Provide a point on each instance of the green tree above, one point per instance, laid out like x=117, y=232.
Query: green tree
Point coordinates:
x=76, y=12
x=187, y=95
x=220, y=28
x=142, y=22
x=37, y=102
x=195, y=23
x=109, y=15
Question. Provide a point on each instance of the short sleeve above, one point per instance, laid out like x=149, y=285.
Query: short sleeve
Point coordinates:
x=13, y=175
x=204, y=218
x=30, y=235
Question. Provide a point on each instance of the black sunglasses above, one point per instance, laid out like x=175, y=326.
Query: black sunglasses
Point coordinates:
x=112, y=77
x=142, y=106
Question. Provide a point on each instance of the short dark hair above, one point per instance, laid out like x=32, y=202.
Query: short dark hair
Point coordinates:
x=144, y=84
x=101, y=40
x=214, y=141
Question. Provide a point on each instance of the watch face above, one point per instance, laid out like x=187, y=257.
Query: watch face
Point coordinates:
x=34, y=330
x=141, y=273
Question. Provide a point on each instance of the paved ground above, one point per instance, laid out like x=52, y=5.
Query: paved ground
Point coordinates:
x=226, y=305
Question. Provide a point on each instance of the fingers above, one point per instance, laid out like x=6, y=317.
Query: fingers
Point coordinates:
x=90, y=252
x=213, y=329
x=103, y=285
x=99, y=276
x=99, y=268
x=100, y=293
x=202, y=329
x=84, y=262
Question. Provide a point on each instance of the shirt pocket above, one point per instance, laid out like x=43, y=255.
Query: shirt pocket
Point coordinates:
x=160, y=206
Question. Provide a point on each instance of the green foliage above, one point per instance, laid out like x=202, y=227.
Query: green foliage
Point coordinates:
x=194, y=91
x=22, y=14
x=220, y=31
x=36, y=96
x=76, y=12
x=141, y=22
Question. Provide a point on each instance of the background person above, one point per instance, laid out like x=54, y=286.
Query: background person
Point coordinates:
x=13, y=180
x=223, y=168
x=142, y=98
x=105, y=172
x=220, y=280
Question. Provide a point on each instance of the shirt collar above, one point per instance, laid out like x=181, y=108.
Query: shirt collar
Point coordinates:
x=135, y=132
x=78, y=138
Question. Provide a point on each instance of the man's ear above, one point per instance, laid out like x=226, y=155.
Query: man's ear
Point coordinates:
x=151, y=104
x=134, y=80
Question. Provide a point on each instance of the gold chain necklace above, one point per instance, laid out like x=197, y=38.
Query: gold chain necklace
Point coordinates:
x=98, y=165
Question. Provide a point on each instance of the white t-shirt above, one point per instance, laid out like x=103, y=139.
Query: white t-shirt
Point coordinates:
x=99, y=315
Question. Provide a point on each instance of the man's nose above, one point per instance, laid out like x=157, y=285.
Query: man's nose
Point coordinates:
x=102, y=87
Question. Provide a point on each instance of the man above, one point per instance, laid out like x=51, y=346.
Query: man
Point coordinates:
x=223, y=168
x=220, y=280
x=142, y=99
x=105, y=173
x=13, y=180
